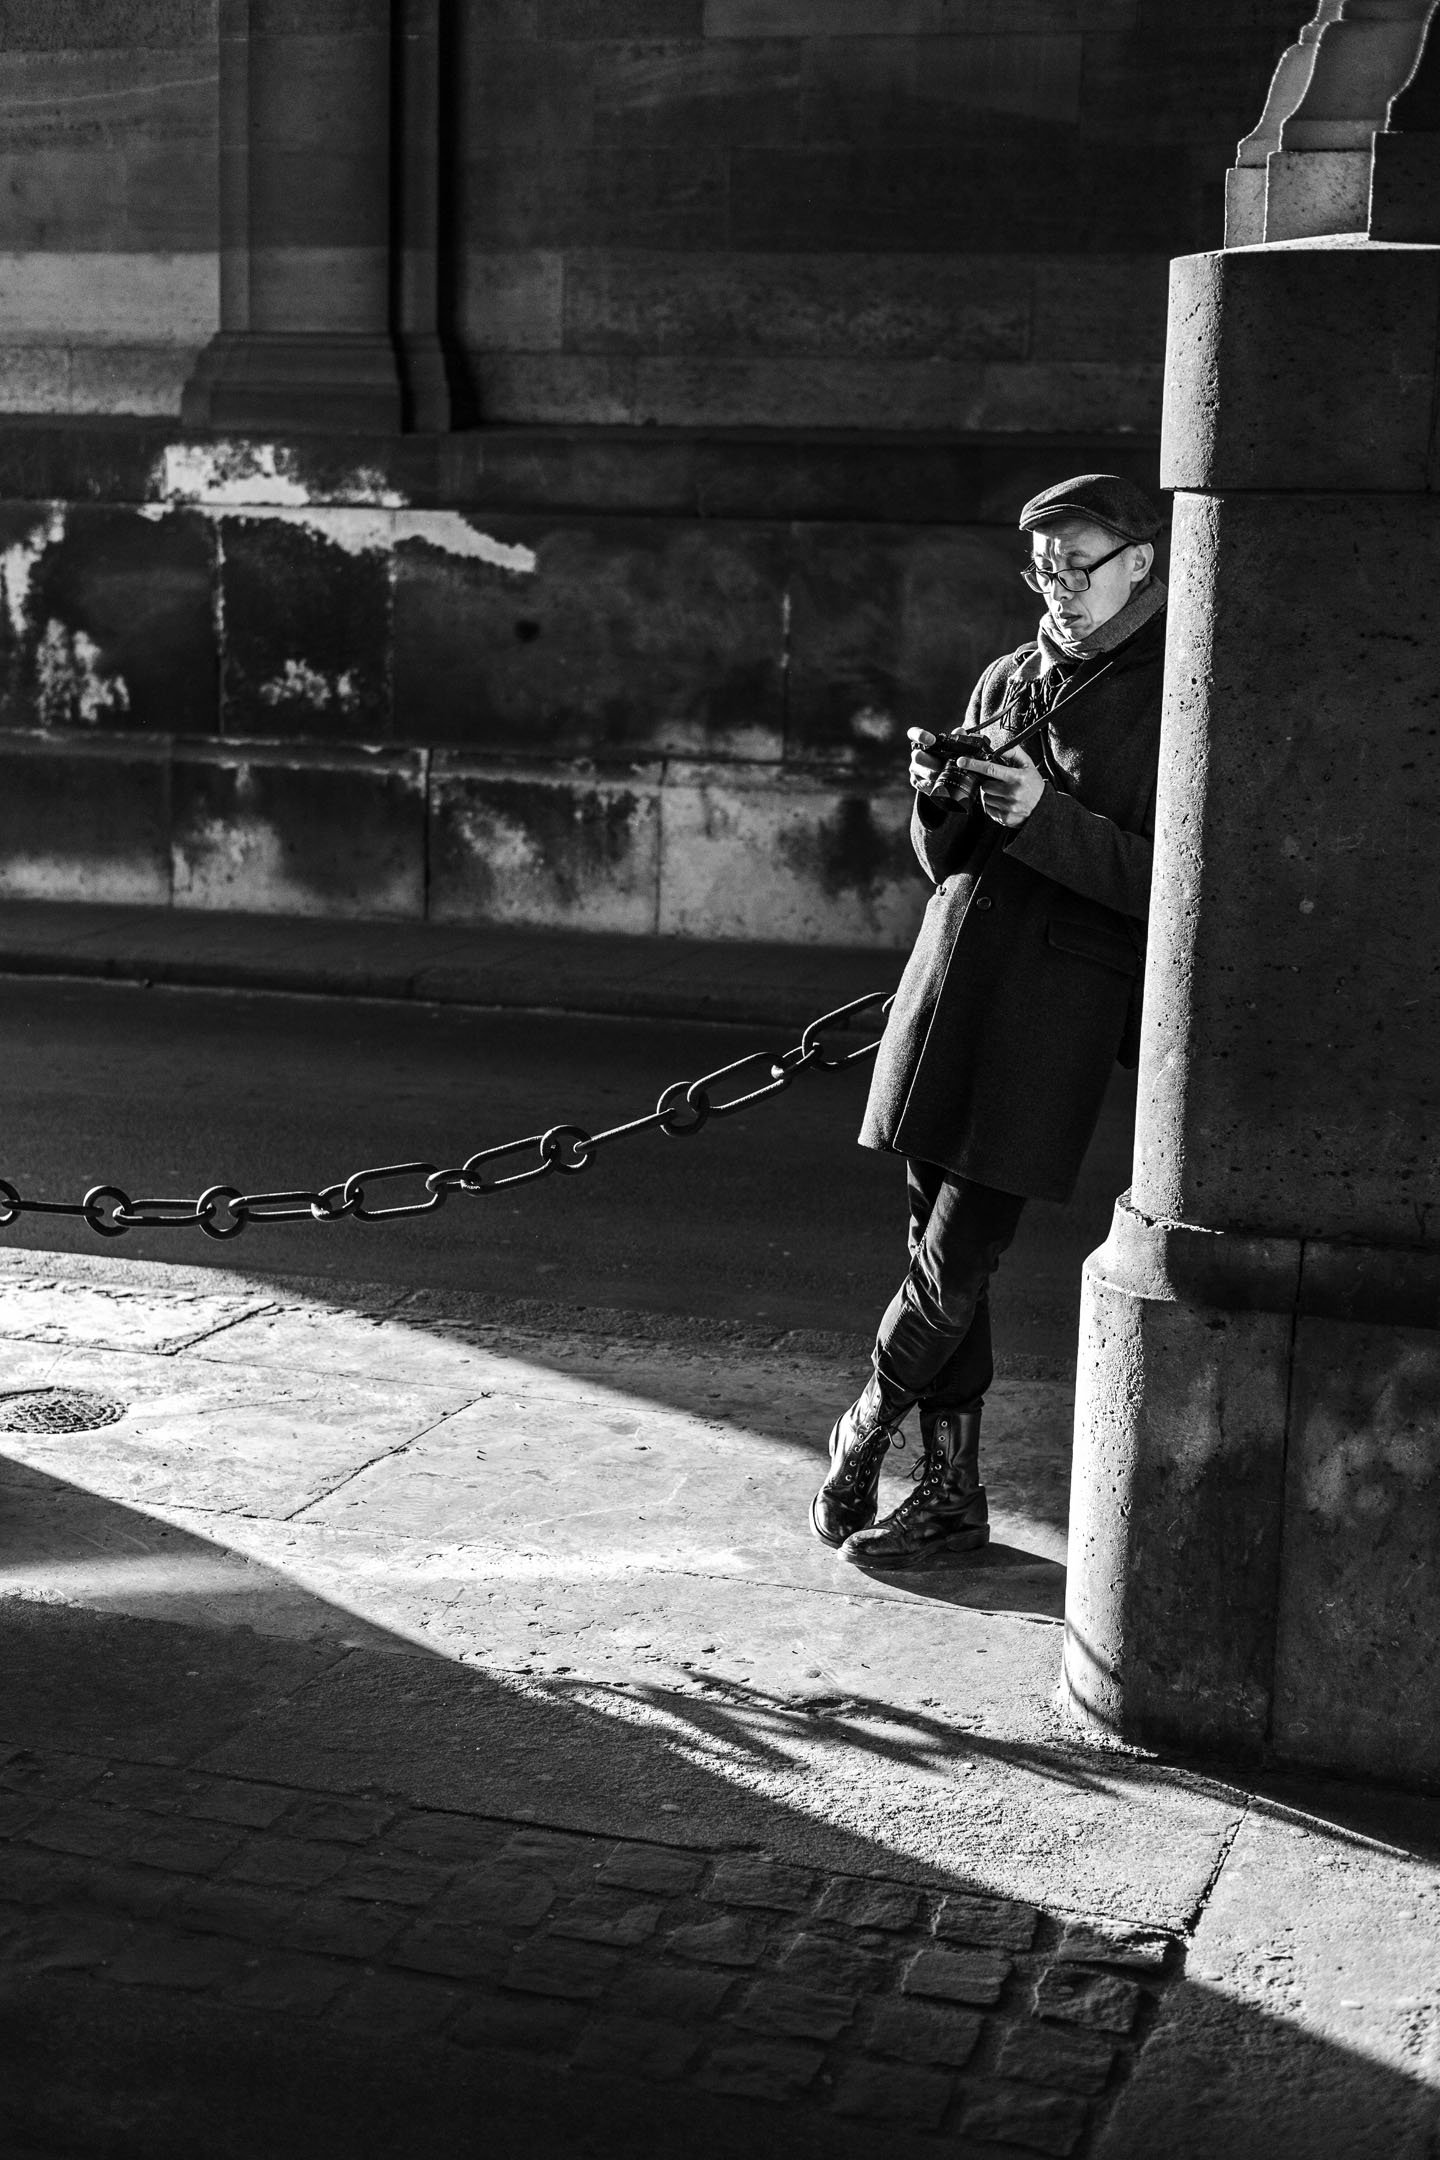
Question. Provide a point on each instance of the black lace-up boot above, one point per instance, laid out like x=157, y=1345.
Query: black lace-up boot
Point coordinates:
x=846, y=1501
x=945, y=1513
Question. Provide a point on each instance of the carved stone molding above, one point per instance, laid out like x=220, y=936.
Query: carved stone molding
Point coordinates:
x=1304, y=172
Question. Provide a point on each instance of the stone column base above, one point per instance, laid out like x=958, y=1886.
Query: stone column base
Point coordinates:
x=1255, y=1509
x=305, y=381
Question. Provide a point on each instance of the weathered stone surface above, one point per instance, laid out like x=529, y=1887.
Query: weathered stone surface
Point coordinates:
x=1359, y=1592
x=544, y=844
x=306, y=614
x=612, y=636
x=920, y=2033
x=1301, y=367
x=968, y=1976
x=1102, y=2001
x=305, y=831
x=746, y=846
x=84, y=820
x=890, y=629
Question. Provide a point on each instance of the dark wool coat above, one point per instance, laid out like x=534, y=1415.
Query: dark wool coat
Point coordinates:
x=1023, y=987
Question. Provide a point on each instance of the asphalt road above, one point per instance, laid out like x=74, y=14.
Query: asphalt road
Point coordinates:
x=774, y=1215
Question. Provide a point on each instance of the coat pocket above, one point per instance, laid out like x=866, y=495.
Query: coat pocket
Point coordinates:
x=1089, y=940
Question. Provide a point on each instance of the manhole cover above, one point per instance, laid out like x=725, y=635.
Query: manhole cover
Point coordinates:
x=55, y=1410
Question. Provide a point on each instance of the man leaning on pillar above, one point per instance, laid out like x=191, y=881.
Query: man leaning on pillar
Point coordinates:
x=1020, y=994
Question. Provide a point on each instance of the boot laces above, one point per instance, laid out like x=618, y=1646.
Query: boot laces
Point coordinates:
x=866, y=1453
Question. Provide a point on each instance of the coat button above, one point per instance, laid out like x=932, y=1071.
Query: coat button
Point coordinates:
x=984, y=901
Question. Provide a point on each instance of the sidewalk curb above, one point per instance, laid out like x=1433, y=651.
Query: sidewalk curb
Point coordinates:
x=584, y=972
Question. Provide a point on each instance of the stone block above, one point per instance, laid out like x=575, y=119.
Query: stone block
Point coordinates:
x=1109, y=1942
x=1184, y=1647
x=394, y=2007
x=533, y=2027
x=697, y=92
x=756, y=1879
x=936, y=395
x=825, y=1961
x=392, y=1879
x=926, y=89
x=281, y=1863
x=890, y=628
x=300, y=832
x=87, y=1830
x=575, y=1972
x=338, y=1927
x=994, y=1923
x=1110, y=308
x=555, y=389
x=460, y=1953
x=188, y=1962
x=108, y=618
x=918, y=2033
x=337, y=1821
x=673, y=1991
x=184, y=1848
x=965, y=307
x=637, y=2047
x=1037, y=2054
x=606, y=1919
x=650, y=1868
x=620, y=18
x=35, y=378
x=91, y=297
x=227, y=1800
x=619, y=636
x=1044, y=2122
x=84, y=820
x=1359, y=1592
x=800, y=2013
x=731, y=1941
x=859, y=1904
x=1299, y=1048
x=294, y=1986
x=236, y=1909
x=524, y=99
x=141, y=379
x=305, y=603
x=775, y=2070
x=1101, y=2001
x=58, y=198
x=755, y=852
x=967, y=1976
x=879, y=2092
x=511, y=299
x=606, y=196
x=502, y=1895
x=544, y=845
x=1303, y=367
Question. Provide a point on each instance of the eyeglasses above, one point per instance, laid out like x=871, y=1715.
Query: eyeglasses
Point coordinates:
x=1040, y=579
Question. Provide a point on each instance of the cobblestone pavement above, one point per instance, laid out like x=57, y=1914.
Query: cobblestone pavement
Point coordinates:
x=429, y=1732
x=728, y=1971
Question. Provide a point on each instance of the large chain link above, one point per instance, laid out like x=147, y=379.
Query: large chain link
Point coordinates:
x=223, y=1211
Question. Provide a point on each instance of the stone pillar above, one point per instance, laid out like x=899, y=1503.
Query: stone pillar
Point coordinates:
x=327, y=283
x=1255, y=1517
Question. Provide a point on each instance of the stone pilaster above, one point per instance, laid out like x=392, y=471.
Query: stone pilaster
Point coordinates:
x=328, y=281
x=1256, y=1511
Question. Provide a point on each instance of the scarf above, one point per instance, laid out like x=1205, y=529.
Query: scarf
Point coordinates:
x=1058, y=650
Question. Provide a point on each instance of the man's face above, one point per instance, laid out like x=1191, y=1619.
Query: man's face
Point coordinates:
x=1074, y=545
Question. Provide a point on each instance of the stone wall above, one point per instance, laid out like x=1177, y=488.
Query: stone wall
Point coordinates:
x=774, y=318
x=692, y=212
x=641, y=682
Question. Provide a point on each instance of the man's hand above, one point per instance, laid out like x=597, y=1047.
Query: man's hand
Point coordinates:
x=1008, y=791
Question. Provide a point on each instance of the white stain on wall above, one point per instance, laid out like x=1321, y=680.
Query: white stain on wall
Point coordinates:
x=17, y=565
x=359, y=514
x=298, y=681
x=72, y=681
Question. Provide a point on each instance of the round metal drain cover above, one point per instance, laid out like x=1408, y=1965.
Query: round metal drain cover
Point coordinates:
x=57, y=1410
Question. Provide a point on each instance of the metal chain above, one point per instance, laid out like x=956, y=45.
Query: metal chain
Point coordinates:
x=223, y=1211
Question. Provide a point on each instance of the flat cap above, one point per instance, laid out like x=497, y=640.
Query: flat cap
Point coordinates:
x=1102, y=497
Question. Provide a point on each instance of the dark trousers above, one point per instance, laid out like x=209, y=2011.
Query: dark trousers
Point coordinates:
x=934, y=1341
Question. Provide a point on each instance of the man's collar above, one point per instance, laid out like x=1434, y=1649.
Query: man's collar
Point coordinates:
x=1056, y=650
